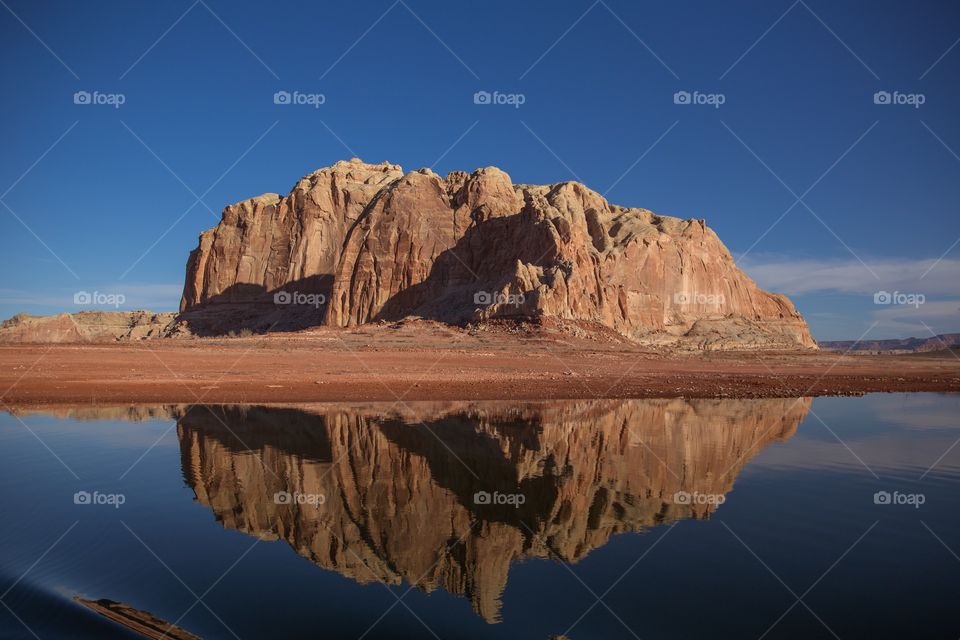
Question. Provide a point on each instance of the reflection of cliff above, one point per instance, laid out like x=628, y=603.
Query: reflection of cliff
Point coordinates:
x=399, y=494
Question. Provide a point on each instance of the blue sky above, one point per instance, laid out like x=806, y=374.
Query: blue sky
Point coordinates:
x=823, y=193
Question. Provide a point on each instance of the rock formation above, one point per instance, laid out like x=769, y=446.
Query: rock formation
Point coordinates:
x=87, y=326
x=372, y=243
x=399, y=491
x=355, y=243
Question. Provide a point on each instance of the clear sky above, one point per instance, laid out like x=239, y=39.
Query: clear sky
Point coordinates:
x=820, y=191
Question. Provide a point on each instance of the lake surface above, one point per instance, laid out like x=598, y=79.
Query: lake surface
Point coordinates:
x=775, y=518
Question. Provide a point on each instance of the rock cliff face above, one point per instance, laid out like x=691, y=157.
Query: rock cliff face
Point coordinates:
x=264, y=243
x=377, y=244
x=399, y=491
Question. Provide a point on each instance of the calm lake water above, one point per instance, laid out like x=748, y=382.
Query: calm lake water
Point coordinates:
x=779, y=518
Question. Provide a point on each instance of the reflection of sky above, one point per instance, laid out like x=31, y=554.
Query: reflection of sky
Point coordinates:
x=90, y=436
x=891, y=433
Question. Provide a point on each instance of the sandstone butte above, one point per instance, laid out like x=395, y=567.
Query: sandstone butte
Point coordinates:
x=355, y=243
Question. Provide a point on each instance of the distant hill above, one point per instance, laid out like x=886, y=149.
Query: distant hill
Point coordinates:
x=917, y=345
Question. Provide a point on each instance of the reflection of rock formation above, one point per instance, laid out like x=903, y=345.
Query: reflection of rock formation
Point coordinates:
x=128, y=413
x=399, y=494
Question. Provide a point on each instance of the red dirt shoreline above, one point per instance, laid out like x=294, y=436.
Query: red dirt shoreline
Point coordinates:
x=440, y=363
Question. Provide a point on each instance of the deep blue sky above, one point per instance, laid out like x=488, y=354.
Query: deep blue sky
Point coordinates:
x=599, y=98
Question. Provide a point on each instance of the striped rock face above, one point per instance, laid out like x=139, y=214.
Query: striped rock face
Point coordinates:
x=370, y=243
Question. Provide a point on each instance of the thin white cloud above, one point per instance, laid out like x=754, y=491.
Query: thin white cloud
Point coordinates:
x=805, y=279
x=798, y=276
x=942, y=316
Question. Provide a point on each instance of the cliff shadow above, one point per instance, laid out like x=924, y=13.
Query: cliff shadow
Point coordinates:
x=246, y=309
x=464, y=277
x=472, y=464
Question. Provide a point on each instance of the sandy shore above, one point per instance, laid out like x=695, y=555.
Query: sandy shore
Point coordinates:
x=386, y=363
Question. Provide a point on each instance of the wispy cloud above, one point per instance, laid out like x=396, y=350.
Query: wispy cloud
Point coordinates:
x=903, y=320
x=815, y=283
x=798, y=276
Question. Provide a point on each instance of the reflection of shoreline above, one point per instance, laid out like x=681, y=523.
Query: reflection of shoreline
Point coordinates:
x=143, y=623
x=398, y=494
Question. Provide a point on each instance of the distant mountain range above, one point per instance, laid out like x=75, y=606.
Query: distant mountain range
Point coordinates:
x=919, y=345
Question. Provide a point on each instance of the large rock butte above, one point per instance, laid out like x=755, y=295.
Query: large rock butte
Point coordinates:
x=375, y=243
